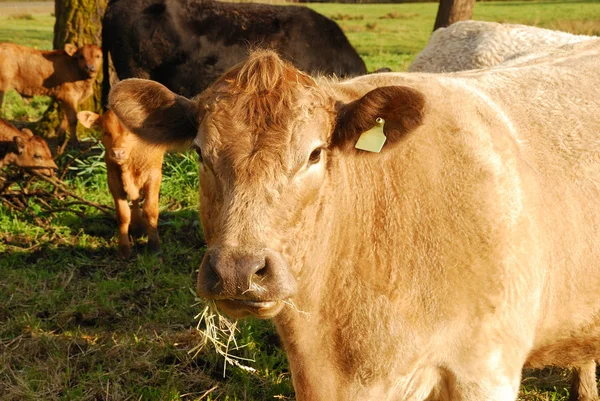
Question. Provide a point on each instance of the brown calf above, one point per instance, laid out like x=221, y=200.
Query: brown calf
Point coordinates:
x=433, y=270
x=67, y=75
x=134, y=169
x=24, y=149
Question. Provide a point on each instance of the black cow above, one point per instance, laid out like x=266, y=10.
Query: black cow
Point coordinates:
x=187, y=44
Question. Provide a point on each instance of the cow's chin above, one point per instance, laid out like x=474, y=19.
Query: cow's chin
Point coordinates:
x=239, y=309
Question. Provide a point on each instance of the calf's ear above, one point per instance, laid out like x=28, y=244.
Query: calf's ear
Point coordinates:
x=70, y=49
x=27, y=131
x=19, y=143
x=401, y=107
x=154, y=113
x=88, y=119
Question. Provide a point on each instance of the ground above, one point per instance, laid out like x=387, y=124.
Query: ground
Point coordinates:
x=76, y=323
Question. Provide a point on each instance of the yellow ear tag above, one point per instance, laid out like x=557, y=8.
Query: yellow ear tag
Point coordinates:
x=373, y=139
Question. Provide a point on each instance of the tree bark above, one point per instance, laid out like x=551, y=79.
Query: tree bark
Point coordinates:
x=78, y=22
x=451, y=11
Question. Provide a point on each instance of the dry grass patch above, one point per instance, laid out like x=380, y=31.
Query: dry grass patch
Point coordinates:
x=371, y=26
x=346, y=17
x=21, y=16
x=577, y=27
x=397, y=15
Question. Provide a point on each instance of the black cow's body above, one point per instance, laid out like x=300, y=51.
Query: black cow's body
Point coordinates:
x=187, y=44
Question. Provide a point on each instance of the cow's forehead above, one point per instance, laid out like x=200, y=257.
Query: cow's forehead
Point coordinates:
x=234, y=123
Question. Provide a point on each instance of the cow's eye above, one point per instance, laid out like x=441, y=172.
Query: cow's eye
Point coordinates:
x=199, y=151
x=315, y=156
x=37, y=157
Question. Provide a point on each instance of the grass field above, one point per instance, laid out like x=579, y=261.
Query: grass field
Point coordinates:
x=76, y=323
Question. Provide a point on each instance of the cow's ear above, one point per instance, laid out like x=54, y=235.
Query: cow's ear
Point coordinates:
x=70, y=49
x=88, y=119
x=401, y=108
x=19, y=143
x=27, y=132
x=154, y=113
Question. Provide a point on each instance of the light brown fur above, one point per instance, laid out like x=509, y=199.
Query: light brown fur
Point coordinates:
x=434, y=270
x=24, y=149
x=134, y=171
x=66, y=75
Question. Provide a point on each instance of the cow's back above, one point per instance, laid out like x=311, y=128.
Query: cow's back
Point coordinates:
x=470, y=45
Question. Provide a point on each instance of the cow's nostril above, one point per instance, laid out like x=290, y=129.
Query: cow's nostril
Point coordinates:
x=257, y=267
x=214, y=271
x=262, y=271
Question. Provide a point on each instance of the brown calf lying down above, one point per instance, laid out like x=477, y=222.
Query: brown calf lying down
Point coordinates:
x=434, y=270
x=24, y=149
x=134, y=170
x=67, y=75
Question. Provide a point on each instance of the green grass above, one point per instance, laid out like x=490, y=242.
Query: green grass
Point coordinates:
x=76, y=323
x=36, y=32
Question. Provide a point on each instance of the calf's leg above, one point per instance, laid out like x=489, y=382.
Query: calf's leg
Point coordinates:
x=138, y=224
x=68, y=122
x=70, y=109
x=124, y=217
x=584, y=386
x=150, y=207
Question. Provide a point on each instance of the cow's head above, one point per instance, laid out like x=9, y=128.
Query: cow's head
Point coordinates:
x=32, y=152
x=267, y=136
x=88, y=57
x=118, y=140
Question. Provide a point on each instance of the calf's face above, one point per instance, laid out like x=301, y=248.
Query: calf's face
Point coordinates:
x=268, y=137
x=88, y=57
x=33, y=153
x=117, y=140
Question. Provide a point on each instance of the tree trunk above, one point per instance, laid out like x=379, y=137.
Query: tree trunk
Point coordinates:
x=78, y=22
x=451, y=11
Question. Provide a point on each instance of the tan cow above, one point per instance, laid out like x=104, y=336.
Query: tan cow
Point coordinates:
x=24, y=149
x=134, y=171
x=67, y=75
x=469, y=45
x=434, y=270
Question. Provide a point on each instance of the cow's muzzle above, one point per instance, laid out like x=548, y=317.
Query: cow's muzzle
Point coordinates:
x=118, y=155
x=243, y=282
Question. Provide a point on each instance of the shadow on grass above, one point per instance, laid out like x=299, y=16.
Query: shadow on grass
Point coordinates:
x=78, y=323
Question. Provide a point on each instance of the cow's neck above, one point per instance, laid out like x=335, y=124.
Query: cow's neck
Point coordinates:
x=344, y=291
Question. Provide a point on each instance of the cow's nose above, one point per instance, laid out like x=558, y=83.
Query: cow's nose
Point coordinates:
x=90, y=68
x=48, y=172
x=118, y=153
x=237, y=276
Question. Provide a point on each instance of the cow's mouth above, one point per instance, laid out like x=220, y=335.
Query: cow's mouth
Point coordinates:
x=119, y=160
x=241, y=308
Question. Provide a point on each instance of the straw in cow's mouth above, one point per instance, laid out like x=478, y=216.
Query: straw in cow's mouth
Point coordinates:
x=220, y=332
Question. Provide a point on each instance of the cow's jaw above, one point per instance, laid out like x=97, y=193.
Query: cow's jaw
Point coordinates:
x=260, y=309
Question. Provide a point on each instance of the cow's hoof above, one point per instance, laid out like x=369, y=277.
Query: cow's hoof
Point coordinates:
x=137, y=229
x=154, y=244
x=124, y=252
